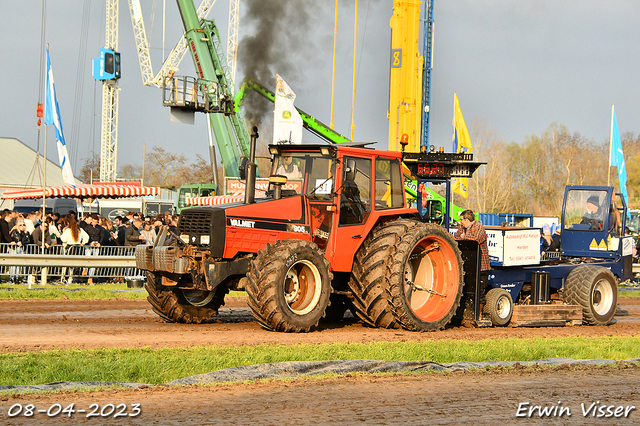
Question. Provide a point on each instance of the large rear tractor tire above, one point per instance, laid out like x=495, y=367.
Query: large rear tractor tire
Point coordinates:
x=425, y=278
x=183, y=306
x=289, y=286
x=368, y=281
x=499, y=306
x=596, y=290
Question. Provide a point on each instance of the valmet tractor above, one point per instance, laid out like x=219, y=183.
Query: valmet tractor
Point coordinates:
x=334, y=233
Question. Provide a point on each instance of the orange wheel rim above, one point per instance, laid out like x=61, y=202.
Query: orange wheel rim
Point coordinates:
x=432, y=278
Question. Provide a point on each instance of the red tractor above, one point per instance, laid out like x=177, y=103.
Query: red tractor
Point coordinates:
x=333, y=233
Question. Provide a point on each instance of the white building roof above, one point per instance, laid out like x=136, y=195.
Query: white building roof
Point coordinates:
x=18, y=168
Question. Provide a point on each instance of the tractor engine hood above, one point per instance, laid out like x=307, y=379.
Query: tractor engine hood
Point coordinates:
x=230, y=229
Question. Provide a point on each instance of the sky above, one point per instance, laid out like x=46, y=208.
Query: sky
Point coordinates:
x=518, y=66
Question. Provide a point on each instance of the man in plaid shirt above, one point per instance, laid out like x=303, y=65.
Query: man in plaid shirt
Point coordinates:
x=471, y=229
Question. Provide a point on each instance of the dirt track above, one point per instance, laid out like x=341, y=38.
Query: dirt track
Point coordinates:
x=28, y=325
x=481, y=397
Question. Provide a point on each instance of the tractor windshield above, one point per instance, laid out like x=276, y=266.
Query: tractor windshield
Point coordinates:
x=306, y=173
x=585, y=210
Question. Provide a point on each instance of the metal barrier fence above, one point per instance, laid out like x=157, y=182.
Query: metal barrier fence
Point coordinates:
x=67, y=264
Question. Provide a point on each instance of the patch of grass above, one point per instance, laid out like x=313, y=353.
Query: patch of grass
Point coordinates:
x=74, y=291
x=77, y=291
x=628, y=293
x=163, y=365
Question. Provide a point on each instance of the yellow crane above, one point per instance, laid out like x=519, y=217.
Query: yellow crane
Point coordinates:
x=405, y=82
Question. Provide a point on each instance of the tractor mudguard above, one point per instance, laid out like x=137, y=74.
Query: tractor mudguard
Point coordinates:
x=217, y=272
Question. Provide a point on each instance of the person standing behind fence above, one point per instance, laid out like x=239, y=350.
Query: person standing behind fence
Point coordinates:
x=5, y=235
x=157, y=223
x=73, y=238
x=13, y=220
x=42, y=229
x=19, y=234
x=30, y=222
x=122, y=224
x=133, y=236
x=54, y=229
x=112, y=230
x=73, y=235
x=20, y=238
x=148, y=232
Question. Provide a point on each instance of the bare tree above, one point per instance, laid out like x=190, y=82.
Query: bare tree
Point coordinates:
x=490, y=187
x=131, y=172
x=90, y=170
x=163, y=168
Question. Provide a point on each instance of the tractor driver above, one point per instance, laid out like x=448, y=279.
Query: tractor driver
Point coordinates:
x=593, y=216
x=288, y=169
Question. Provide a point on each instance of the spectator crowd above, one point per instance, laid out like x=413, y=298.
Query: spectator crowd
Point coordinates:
x=78, y=235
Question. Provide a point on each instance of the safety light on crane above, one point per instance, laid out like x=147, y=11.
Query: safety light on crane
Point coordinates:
x=404, y=141
x=107, y=66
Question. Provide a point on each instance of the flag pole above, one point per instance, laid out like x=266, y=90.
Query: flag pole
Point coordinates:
x=610, y=147
x=44, y=179
x=448, y=209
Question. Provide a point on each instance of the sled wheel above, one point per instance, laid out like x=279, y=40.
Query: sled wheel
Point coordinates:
x=595, y=289
x=289, y=286
x=499, y=306
x=425, y=278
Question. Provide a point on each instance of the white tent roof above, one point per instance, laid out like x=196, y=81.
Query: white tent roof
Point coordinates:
x=18, y=167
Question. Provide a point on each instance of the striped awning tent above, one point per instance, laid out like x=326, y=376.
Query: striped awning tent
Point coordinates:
x=215, y=200
x=114, y=190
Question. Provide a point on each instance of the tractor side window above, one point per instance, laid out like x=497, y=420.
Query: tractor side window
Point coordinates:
x=388, y=190
x=355, y=196
x=585, y=210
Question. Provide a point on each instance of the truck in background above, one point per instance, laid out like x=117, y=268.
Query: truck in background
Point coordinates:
x=110, y=208
x=53, y=205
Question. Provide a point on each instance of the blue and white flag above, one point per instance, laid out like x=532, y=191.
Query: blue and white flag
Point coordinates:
x=52, y=116
x=617, y=157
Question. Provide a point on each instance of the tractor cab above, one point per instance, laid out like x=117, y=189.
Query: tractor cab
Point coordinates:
x=592, y=222
x=302, y=171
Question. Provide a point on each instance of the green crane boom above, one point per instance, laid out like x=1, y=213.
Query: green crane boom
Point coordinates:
x=216, y=87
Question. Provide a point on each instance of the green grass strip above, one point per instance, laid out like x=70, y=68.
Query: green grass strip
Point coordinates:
x=163, y=365
x=74, y=291
x=628, y=293
x=77, y=291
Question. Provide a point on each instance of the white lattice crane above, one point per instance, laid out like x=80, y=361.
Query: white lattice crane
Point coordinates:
x=170, y=65
x=109, y=130
x=232, y=44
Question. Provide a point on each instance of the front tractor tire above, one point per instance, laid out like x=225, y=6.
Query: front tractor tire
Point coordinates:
x=183, y=306
x=425, y=278
x=595, y=289
x=289, y=286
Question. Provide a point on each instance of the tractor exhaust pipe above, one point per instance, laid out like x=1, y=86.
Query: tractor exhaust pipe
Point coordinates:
x=250, y=187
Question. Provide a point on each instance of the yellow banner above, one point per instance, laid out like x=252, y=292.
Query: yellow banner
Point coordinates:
x=461, y=143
